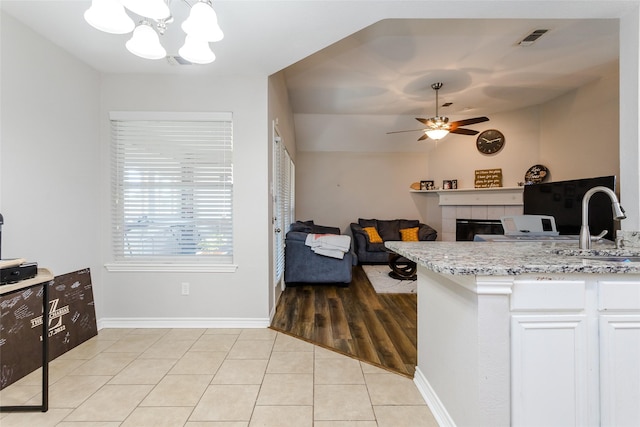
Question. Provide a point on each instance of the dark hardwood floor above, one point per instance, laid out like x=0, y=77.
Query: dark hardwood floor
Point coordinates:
x=377, y=328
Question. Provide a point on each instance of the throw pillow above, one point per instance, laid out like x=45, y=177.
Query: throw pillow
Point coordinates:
x=409, y=234
x=367, y=222
x=409, y=223
x=426, y=233
x=374, y=237
x=389, y=229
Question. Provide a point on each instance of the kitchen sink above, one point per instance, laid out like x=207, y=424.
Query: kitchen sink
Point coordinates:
x=611, y=258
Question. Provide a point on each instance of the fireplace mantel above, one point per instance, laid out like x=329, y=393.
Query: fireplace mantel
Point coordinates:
x=472, y=203
x=496, y=196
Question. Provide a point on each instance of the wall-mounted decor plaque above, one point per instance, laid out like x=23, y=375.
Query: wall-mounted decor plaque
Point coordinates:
x=488, y=178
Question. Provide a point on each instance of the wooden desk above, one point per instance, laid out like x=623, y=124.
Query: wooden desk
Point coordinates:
x=43, y=278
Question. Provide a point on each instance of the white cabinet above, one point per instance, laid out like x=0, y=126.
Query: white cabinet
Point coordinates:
x=549, y=370
x=620, y=370
x=549, y=352
x=531, y=350
x=575, y=352
x=619, y=322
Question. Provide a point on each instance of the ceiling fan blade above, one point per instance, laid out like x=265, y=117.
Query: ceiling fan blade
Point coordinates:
x=423, y=137
x=401, y=131
x=467, y=122
x=424, y=121
x=463, y=131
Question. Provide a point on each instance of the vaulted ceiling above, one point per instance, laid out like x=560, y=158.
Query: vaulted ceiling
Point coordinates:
x=344, y=57
x=388, y=68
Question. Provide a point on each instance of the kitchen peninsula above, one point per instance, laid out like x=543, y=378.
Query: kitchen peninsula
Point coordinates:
x=527, y=333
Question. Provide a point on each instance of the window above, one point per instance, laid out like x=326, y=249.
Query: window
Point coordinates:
x=172, y=187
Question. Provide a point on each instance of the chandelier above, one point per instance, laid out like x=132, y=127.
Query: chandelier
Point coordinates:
x=201, y=27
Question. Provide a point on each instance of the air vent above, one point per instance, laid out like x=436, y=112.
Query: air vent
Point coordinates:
x=178, y=60
x=532, y=38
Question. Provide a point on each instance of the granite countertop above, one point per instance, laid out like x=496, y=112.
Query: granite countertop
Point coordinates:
x=513, y=258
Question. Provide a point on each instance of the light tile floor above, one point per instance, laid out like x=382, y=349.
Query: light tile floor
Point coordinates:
x=215, y=378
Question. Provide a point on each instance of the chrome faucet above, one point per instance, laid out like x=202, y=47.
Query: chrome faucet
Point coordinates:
x=618, y=213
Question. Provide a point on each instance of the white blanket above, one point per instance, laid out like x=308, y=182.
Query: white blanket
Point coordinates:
x=331, y=245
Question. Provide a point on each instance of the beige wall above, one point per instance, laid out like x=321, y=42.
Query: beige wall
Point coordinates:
x=579, y=131
x=335, y=187
x=50, y=154
x=280, y=110
x=217, y=296
x=456, y=156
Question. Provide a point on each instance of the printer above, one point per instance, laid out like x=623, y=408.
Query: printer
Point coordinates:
x=15, y=269
x=518, y=228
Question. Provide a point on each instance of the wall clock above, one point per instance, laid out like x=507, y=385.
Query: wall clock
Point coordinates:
x=490, y=141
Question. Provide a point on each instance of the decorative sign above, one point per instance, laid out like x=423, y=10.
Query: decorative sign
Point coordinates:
x=488, y=178
x=536, y=174
x=72, y=321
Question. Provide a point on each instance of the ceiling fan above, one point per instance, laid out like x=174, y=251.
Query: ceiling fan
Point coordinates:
x=438, y=126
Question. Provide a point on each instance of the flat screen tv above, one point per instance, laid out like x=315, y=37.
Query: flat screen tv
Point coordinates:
x=563, y=201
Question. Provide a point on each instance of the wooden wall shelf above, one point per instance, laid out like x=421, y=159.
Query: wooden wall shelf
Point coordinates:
x=506, y=196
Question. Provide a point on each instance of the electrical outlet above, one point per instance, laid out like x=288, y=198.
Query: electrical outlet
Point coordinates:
x=185, y=288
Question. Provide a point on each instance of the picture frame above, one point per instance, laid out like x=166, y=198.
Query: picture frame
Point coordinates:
x=426, y=185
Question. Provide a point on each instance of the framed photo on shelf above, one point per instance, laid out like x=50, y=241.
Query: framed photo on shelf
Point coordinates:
x=450, y=184
x=426, y=185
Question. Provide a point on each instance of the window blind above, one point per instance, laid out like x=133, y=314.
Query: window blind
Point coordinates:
x=172, y=184
x=283, y=202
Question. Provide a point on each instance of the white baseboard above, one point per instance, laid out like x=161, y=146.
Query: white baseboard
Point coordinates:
x=183, y=322
x=433, y=402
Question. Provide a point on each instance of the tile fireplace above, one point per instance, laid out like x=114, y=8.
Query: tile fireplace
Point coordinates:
x=466, y=229
x=477, y=204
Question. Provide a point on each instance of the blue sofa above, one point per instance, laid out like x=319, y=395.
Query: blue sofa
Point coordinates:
x=302, y=265
x=377, y=253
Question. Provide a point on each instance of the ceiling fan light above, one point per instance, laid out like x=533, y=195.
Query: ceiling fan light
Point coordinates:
x=202, y=23
x=154, y=9
x=145, y=42
x=109, y=16
x=436, y=134
x=196, y=51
